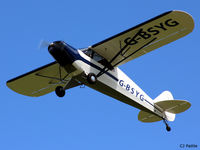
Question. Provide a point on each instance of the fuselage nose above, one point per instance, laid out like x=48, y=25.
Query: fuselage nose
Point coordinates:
x=62, y=52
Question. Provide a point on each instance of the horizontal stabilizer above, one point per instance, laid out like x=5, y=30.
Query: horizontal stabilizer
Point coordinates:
x=174, y=106
x=148, y=117
x=169, y=107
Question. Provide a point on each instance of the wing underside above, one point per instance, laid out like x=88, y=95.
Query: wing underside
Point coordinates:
x=41, y=81
x=144, y=37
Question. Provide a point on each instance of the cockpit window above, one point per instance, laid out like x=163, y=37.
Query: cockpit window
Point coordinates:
x=93, y=55
x=88, y=52
x=97, y=57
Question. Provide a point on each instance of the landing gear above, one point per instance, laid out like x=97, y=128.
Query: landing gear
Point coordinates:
x=91, y=78
x=167, y=126
x=60, y=91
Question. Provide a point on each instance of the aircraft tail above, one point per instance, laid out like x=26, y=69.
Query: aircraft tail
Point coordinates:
x=169, y=106
x=164, y=96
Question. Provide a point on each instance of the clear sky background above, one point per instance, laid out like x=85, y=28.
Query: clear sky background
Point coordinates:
x=86, y=119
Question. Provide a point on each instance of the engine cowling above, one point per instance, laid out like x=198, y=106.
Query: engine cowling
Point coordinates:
x=61, y=52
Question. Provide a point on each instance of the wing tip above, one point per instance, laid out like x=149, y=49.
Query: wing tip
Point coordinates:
x=35, y=70
x=186, y=15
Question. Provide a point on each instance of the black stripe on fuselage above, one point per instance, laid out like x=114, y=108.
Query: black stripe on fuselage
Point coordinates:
x=97, y=67
x=107, y=90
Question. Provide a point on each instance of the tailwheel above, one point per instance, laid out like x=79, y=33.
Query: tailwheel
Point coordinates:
x=91, y=78
x=167, y=126
x=60, y=92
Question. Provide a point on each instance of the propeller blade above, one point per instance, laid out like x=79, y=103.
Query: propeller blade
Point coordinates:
x=44, y=44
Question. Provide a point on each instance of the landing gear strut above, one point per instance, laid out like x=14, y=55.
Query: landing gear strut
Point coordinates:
x=167, y=126
x=91, y=78
x=60, y=91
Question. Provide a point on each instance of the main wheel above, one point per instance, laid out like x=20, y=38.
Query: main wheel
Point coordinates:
x=91, y=78
x=168, y=128
x=60, y=92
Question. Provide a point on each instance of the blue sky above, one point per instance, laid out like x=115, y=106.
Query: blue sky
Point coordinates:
x=86, y=119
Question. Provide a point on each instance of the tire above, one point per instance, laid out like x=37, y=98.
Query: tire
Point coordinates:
x=60, y=92
x=168, y=128
x=91, y=78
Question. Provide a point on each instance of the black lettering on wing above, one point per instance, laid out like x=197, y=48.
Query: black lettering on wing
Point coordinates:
x=161, y=26
x=171, y=23
x=130, y=41
x=144, y=34
x=153, y=31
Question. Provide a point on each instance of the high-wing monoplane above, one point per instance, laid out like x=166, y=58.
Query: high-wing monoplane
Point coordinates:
x=97, y=67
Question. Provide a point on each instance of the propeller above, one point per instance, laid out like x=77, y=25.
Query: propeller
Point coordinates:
x=44, y=44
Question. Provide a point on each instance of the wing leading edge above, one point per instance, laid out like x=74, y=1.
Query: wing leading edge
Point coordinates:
x=145, y=37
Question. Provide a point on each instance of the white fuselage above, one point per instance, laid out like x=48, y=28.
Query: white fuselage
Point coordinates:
x=116, y=84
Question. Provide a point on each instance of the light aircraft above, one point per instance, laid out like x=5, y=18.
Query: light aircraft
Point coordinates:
x=97, y=67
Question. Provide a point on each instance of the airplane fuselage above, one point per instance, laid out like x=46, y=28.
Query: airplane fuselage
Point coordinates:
x=115, y=83
x=112, y=82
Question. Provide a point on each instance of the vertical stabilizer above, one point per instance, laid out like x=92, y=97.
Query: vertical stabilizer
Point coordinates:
x=166, y=95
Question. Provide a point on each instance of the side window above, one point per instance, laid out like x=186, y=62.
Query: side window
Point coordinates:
x=88, y=52
x=97, y=57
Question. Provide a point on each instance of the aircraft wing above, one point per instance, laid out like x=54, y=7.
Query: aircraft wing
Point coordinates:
x=41, y=81
x=144, y=37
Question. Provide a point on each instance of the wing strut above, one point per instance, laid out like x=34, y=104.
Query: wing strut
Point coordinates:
x=135, y=52
x=62, y=80
x=105, y=69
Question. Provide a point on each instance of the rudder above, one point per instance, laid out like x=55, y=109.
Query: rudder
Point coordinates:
x=166, y=95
